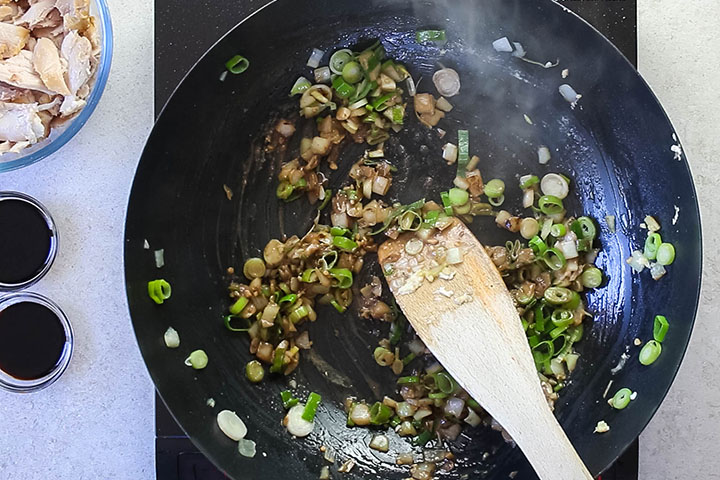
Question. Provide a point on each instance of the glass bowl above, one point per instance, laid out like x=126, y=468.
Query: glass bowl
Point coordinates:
x=60, y=136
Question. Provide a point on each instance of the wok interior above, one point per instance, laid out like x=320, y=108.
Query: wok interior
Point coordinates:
x=614, y=147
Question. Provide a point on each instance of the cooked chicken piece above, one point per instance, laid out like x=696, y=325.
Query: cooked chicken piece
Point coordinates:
x=71, y=105
x=19, y=146
x=8, y=93
x=53, y=33
x=47, y=63
x=51, y=20
x=6, y=12
x=20, y=122
x=76, y=50
x=4, y=147
x=93, y=34
x=76, y=13
x=36, y=14
x=18, y=71
x=12, y=39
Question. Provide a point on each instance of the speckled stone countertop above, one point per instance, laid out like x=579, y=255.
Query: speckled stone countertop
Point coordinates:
x=96, y=422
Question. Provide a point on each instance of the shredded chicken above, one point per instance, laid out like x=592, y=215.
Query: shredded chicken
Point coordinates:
x=49, y=52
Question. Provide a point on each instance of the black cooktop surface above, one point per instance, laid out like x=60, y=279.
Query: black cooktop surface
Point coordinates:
x=184, y=30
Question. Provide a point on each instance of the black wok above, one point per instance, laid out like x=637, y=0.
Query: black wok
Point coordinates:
x=614, y=145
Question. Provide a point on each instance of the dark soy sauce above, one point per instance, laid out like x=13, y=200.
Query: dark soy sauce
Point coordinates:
x=32, y=340
x=25, y=241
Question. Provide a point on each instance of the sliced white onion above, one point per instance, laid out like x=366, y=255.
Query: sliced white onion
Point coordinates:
x=405, y=410
x=502, y=45
x=247, y=448
x=416, y=346
x=528, y=197
x=160, y=258
x=454, y=256
x=231, y=425
x=461, y=182
x=554, y=184
x=223, y=75
x=454, y=406
x=146, y=245
x=360, y=414
x=543, y=155
x=339, y=219
x=657, y=271
x=380, y=185
x=472, y=419
x=322, y=75
x=450, y=152
x=568, y=249
x=557, y=367
x=652, y=224
x=360, y=103
x=297, y=425
x=638, y=261
x=315, y=57
x=569, y=93
x=380, y=443
x=447, y=82
x=610, y=220
x=171, y=337
x=422, y=413
x=444, y=105
x=571, y=361
x=519, y=50
x=410, y=83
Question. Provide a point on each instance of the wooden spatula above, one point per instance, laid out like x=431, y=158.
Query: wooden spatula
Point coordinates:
x=470, y=324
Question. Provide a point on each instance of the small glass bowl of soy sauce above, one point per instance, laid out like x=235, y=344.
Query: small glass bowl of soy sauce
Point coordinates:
x=36, y=342
x=28, y=241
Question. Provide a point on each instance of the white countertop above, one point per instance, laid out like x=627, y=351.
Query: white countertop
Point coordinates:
x=97, y=421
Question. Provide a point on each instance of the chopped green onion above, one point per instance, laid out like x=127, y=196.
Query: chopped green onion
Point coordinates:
x=301, y=84
x=665, y=253
x=159, y=290
x=239, y=305
x=344, y=243
x=380, y=413
x=379, y=103
x=621, y=399
x=584, y=228
x=660, y=328
x=408, y=380
x=343, y=276
x=554, y=259
x=422, y=439
x=311, y=407
x=528, y=181
x=494, y=188
x=463, y=152
x=444, y=382
x=445, y=197
x=652, y=243
x=434, y=36
x=397, y=113
x=254, y=268
x=326, y=200
x=254, y=371
x=591, y=277
x=309, y=276
x=337, y=306
x=557, y=295
x=538, y=245
x=278, y=359
x=299, y=313
x=437, y=395
x=227, y=319
x=543, y=352
x=496, y=201
x=288, y=400
x=558, y=230
x=197, y=360
x=342, y=88
x=561, y=317
x=352, y=73
x=339, y=231
x=409, y=358
x=290, y=298
x=237, y=64
x=396, y=330
x=575, y=333
x=409, y=221
x=650, y=352
x=339, y=59
x=550, y=205
x=284, y=190
x=458, y=196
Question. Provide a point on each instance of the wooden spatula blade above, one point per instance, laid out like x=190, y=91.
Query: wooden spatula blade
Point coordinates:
x=466, y=317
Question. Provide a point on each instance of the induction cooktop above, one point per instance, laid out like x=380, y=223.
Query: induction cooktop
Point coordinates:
x=182, y=36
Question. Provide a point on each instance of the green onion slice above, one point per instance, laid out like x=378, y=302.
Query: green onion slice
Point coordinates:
x=660, y=328
x=380, y=413
x=554, y=259
x=550, y=205
x=435, y=36
x=458, y=196
x=288, y=400
x=561, y=317
x=227, y=319
x=665, y=254
x=343, y=276
x=621, y=399
x=650, y=352
x=494, y=188
x=652, y=244
x=591, y=277
x=301, y=84
x=159, y=290
x=528, y=181
x=538, y=245
x=558, y=230
x=557, y=295
x=463, y=152
x=311, y=407
x=345, y=244
x=237, y=64
x=584, y=228
x=445, y=383
x=278, y=358
x=408, y=380
x=339, y=59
